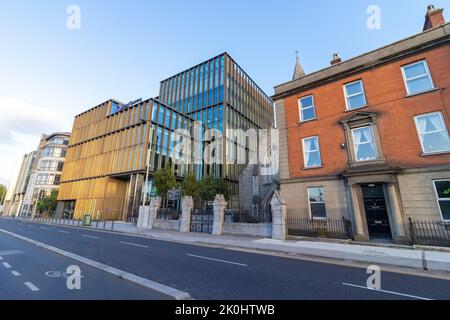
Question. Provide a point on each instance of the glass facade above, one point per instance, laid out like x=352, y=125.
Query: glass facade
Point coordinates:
x=222, y=96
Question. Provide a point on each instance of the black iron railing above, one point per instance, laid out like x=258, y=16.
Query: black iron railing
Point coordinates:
x=429, y=233
x=247, y=216
x=322, y=228
x=168, y=214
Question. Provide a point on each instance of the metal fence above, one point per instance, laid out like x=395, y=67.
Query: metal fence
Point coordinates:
x=168, y=214
x=322, y=228
x=429, y=233
x=247, y=216
x=95, y=224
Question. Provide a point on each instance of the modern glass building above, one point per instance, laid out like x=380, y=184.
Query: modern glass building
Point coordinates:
x=221, y=95
x=113, y=144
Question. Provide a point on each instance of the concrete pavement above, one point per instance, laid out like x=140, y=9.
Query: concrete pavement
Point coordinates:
x=217, y=273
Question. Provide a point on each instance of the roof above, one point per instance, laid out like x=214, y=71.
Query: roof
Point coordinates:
x=421, y=41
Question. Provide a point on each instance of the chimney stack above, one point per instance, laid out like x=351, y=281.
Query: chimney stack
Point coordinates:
x=434, y=18
x=336, y=59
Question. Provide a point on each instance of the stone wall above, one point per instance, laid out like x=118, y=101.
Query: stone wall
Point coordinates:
x=296, y=196
x=418, y=195
x=248, y=229
x=168, y=225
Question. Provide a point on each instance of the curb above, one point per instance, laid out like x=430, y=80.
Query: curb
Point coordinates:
x=171, y=292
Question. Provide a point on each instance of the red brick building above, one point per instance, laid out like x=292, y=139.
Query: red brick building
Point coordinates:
x=367, y=138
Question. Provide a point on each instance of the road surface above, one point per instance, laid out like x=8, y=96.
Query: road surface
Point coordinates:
x=203, y=272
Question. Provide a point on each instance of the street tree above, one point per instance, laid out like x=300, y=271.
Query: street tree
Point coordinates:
x=48, y=203
x=190, y=186
x=164, y=180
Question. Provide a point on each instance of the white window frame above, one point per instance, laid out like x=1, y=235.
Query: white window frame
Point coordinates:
x=377, y=155
x=354, y=95
x=405, y=80
x=324, y=202
x=305, y=162
x=421, y=134
x=439, y=199
x=300, y=108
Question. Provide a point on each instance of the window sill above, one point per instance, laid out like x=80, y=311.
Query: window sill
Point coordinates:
x=313, y=168
x=365, y=163
x=355, y=109
x=421, y=93
x=431, y=154
x=306, y=121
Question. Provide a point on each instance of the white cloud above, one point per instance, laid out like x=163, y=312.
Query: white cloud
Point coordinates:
x=21, y=125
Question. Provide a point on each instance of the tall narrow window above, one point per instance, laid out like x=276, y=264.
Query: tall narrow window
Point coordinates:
x=417, y=77
x=364, y=144
x=354, y=95
x=311, y=152
x=443, y=196
x=307, y=108
x=316, y=197
x=433, y=133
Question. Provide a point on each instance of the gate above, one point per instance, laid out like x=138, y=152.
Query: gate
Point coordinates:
x=202, y=220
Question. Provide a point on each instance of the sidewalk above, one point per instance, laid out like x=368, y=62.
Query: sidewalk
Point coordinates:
x=398, y=256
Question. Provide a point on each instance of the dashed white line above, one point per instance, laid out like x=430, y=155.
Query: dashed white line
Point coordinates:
x=134, y=244
x=1, y=258
x=92, y=237
x=44, y=228
x=67, y=232
x=217, y=260
x=6, y=265
x=15, y=273
x=31, y=286
x=385, y=291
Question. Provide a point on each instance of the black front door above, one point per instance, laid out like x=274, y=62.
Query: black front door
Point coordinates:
x=376, y=211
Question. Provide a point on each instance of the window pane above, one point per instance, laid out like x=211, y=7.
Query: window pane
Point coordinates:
x=312, y=152
x=364, y=146
x=316, y=195
x=308, y=114
x=432, y=132
x=415, y=70
x=318, y=210
x=436, y=142
x=443, y=189
x=419, y=85
x=445, y=209
x=307, y=102
x=354, y=88
x=313, y=159
x=356, y=101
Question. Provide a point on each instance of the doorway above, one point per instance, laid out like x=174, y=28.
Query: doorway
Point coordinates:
x=376, y=212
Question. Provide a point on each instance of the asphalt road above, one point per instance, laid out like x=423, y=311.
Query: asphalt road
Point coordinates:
x=30, y=272
x=210, y=273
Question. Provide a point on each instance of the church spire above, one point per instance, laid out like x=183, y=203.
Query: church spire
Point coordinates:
x=298, y=72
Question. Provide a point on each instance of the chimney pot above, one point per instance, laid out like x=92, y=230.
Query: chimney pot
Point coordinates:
x=336, y=59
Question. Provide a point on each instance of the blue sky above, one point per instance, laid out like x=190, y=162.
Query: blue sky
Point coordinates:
x=124, y=48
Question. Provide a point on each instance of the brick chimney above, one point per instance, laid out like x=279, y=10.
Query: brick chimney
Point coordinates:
x=434, y=18
x=336, y=59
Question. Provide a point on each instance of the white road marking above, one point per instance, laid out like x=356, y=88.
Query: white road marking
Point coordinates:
x=31, y=286
x=92, y=237
x=15, y=273
x=29, y=225
x=44, y=228
x=10, y=252
x=63, y=231
x=1, y=258
x=385, y=291
x=6, y=265
x=218, y=260
x=133, y=244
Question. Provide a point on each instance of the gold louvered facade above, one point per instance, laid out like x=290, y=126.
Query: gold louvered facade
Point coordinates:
x=104, y=151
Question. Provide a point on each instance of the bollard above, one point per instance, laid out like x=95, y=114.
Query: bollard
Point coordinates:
x=104, y=225
x=79, y=222
x=112, y=225
x=96, y=225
